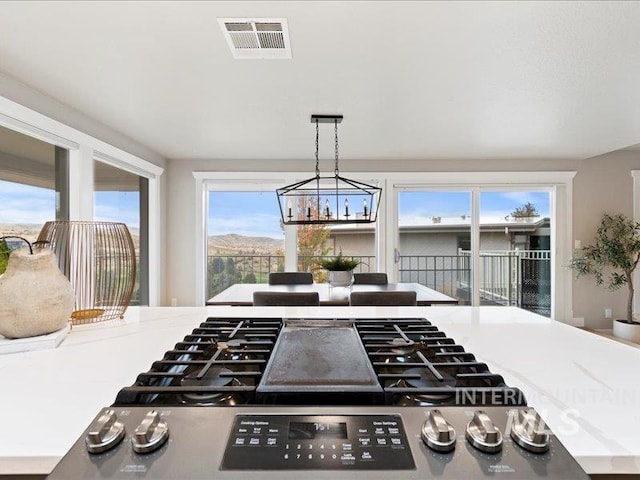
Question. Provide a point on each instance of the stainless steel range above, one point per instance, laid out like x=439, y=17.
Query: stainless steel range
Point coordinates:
x=293, y=398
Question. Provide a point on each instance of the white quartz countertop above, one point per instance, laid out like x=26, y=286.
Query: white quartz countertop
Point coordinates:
x=585, y=386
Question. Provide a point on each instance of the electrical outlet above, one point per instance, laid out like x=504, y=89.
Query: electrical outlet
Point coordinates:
x=608, y=313
x=174, y=302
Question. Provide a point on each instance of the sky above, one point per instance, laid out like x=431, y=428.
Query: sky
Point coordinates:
x=257, y=213
x=253, y=214
x=420, y=207
x=26, y=204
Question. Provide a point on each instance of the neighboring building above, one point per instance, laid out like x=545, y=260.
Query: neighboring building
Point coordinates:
x=447, y=236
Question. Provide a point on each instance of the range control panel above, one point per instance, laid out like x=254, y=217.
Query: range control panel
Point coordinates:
x=317, y=442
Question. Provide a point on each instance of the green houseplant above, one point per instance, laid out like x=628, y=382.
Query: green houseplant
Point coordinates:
x=612, y=259
x=4, y=256
x=340, y=269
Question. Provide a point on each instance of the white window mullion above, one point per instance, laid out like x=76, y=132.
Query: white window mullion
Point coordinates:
x=392, y=235
x=636, y=216
x=380, y=232
x=200, y=252
x=290, y=248
x=81, y=183
x=154, y=248
x=475, y=247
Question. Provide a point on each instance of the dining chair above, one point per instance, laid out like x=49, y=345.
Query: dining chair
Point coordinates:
x=282, y=299
x=290, y=278
x=383, y=298
x=370, y=278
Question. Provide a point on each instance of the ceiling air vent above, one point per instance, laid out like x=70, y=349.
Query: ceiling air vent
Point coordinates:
x=257, y=37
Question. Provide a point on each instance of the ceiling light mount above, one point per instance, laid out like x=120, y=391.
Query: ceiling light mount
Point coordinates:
x=328, y=199
x=326, y=118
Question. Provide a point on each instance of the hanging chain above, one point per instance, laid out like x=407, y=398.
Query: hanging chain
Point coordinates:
x=336, y=171
x=317, y=149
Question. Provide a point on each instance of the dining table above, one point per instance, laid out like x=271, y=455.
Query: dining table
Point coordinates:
x=241, y=294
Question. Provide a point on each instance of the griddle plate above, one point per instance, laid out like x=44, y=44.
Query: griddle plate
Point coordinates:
x=319, y=356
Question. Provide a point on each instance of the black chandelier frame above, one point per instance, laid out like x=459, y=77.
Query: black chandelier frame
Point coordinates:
x=329, y=199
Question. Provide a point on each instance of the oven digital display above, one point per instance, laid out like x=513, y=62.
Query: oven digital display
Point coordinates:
x=311, y=430
x=317, y=442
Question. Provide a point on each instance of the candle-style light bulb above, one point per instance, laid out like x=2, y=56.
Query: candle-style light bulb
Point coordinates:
x=289, y=206
x=309, y=209
x=326, y=207
x=364, y=206
x=346, y=207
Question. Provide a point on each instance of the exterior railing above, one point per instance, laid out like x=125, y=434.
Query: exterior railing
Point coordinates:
x=444, y=273
x=518, y=277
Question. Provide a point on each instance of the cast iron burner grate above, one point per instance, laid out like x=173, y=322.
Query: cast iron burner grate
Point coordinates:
x=219, y=363
x=418, y=365
x=223, y=361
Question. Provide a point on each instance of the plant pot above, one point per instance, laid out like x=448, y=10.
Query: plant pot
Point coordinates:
x=341, y=278
x=626, y=330
x=37, y=298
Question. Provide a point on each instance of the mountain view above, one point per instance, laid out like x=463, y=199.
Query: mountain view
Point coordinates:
x=229, y=244
x=30, y=231
x=233, y=243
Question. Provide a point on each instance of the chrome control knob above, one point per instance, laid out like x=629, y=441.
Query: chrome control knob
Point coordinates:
x=105, y=433
x=151, y=434
x=529, y=431
x=437, y=433
x=482, y=434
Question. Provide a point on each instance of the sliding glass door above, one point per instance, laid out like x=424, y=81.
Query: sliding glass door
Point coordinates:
x=434, y=241
x=479, y=245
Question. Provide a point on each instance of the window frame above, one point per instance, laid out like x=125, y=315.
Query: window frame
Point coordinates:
x=206, y=181
x=559, y=183
x=83, y=150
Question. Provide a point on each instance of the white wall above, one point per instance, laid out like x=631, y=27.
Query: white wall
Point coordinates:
x=356, y=243
x=603, y=184
x=494, y=241
x=429, y=243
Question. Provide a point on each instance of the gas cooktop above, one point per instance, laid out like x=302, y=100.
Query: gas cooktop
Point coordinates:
x=275, y=398
x=404, y=361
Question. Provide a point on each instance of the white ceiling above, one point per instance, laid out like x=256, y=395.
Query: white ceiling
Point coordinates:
x=414, y=80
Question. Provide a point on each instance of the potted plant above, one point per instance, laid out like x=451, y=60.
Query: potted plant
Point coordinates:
x=616, y=249
x=340, y=270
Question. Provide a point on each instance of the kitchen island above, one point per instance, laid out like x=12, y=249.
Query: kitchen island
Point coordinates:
x=585, y=386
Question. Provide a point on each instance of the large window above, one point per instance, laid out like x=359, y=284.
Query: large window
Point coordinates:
x=245, y=241
x=435, y=228
x=121, y=196
x=33, y=187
